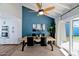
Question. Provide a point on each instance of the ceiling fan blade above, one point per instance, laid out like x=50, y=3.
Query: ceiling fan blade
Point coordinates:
x=49, y=8
x=39, y=5
x=45, y=13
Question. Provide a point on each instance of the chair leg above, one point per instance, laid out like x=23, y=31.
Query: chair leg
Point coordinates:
x=23, y=44
x=51, y=46
x=50, y=43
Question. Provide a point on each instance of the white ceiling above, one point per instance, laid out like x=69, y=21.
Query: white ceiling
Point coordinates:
x=60, y=8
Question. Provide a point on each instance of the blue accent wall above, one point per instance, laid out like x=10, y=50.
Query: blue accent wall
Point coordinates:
x=29, y=18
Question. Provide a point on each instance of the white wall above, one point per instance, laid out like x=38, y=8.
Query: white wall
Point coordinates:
x=60, y=31
x=57, y=29
x=12, y=15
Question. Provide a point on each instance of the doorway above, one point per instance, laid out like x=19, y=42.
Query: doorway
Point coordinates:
x=75, y=37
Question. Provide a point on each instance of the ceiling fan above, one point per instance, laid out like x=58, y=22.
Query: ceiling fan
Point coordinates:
x=43, y=11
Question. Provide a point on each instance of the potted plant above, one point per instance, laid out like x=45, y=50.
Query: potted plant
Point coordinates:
x=51, y=30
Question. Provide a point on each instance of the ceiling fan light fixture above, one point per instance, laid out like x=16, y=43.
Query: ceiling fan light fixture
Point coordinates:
x=41, y=13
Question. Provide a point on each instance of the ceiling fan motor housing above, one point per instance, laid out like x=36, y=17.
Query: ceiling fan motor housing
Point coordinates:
x=41, y=10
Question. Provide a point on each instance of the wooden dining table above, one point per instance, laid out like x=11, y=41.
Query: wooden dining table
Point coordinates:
x=37, y=40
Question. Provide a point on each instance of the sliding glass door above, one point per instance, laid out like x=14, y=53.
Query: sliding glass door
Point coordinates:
x=70, y=41
x=75, y=37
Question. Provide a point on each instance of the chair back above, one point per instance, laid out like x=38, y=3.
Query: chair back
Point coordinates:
x=43, y=41
x=30, y=41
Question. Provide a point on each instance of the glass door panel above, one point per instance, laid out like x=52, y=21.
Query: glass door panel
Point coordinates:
x=75, y=36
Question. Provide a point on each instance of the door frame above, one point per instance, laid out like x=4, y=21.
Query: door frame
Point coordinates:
x=75, y=19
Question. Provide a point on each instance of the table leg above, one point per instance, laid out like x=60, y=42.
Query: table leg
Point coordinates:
x=50, y=43
x=23, y=44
